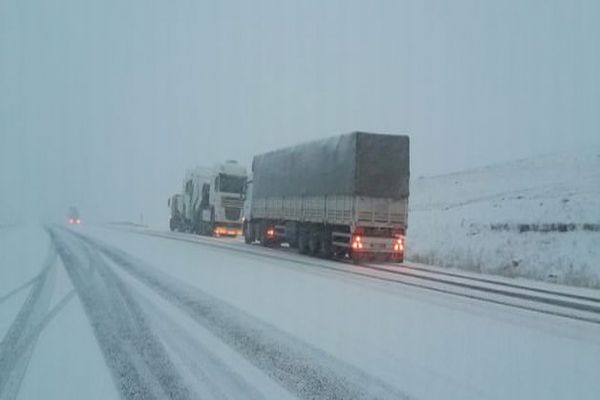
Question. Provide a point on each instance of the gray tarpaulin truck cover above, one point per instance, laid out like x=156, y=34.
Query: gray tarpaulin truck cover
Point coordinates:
x=357, y=164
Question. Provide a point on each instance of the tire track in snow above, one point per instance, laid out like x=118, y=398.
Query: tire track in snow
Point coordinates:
x=138, y=361
x=215, y=379
x=18, y=344
x=22, y=287
x=27, y=340
x=302, y=369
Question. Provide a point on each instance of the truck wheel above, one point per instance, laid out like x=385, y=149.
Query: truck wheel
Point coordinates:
x=247, y=238
x=256, y=231
x=326, y=245
x=291, y=235
x=303, y=241
x=357, y=258
x=204, y=229
x=262, y=236
x=314, y=242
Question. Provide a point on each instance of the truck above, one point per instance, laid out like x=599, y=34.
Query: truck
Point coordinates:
x=342, y=197
x=212, y=200
x=175, y=203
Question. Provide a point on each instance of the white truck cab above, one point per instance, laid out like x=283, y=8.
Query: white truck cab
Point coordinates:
x=213, y=199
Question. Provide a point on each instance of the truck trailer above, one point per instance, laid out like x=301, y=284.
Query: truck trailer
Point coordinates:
x=212, y=200
x=343, y=197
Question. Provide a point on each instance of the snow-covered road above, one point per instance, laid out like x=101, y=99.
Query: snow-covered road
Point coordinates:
x=105, y=313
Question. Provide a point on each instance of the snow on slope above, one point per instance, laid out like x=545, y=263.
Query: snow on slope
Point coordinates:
x=492, y=219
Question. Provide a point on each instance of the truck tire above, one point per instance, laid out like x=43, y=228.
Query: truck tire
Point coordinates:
x=262, y=236
x=303, y=240
x=291, y=235
x=326, y=245
x=314, y=242
x=398, y=259
x=256, y=231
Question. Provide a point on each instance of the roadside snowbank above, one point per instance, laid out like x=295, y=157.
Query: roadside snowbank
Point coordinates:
x=536, y=218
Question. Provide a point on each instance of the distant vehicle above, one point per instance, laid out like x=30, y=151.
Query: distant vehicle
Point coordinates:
x=212, y=200
x=176, y=204
x=73, y=216
x=341, y=197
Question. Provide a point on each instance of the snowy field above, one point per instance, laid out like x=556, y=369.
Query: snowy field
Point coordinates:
x=114, y=314
x=537, y=218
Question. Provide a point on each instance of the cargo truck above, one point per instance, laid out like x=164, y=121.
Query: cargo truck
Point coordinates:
x=343, y=197
x=212, y=200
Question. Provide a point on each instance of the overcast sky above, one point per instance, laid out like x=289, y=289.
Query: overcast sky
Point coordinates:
x=103, y=104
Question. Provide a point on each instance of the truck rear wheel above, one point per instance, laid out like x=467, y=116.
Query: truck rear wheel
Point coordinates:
x=357, y=258
x=326, y=245
x=262, y=233
x=263, y=237
x=303, y=241
x=314, y=242
x=397, y=259
x=255, y=230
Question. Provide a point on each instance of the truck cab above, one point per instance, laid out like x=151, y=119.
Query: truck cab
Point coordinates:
x=226, y=198
x=213, y=199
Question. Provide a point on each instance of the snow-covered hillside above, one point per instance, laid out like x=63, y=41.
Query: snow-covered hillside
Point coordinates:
x=537, y=218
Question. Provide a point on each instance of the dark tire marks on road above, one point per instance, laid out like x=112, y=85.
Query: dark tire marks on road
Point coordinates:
x=302, y=369
x=18, y=344
x=22, y=287
x=213, y=378
x=136, y=357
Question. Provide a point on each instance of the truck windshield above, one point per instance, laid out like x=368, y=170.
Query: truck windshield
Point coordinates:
x=231, y=184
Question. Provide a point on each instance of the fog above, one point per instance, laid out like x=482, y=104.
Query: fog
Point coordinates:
x=104, y=104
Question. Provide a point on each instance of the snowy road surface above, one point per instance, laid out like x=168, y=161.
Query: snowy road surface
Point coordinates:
x=104, y=313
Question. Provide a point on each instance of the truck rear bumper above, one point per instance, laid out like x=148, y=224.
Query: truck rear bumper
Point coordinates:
x=369, y=244
x=227, y=229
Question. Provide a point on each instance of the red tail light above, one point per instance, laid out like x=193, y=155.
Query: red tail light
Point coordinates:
x=399, y=245
x=357, y=242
